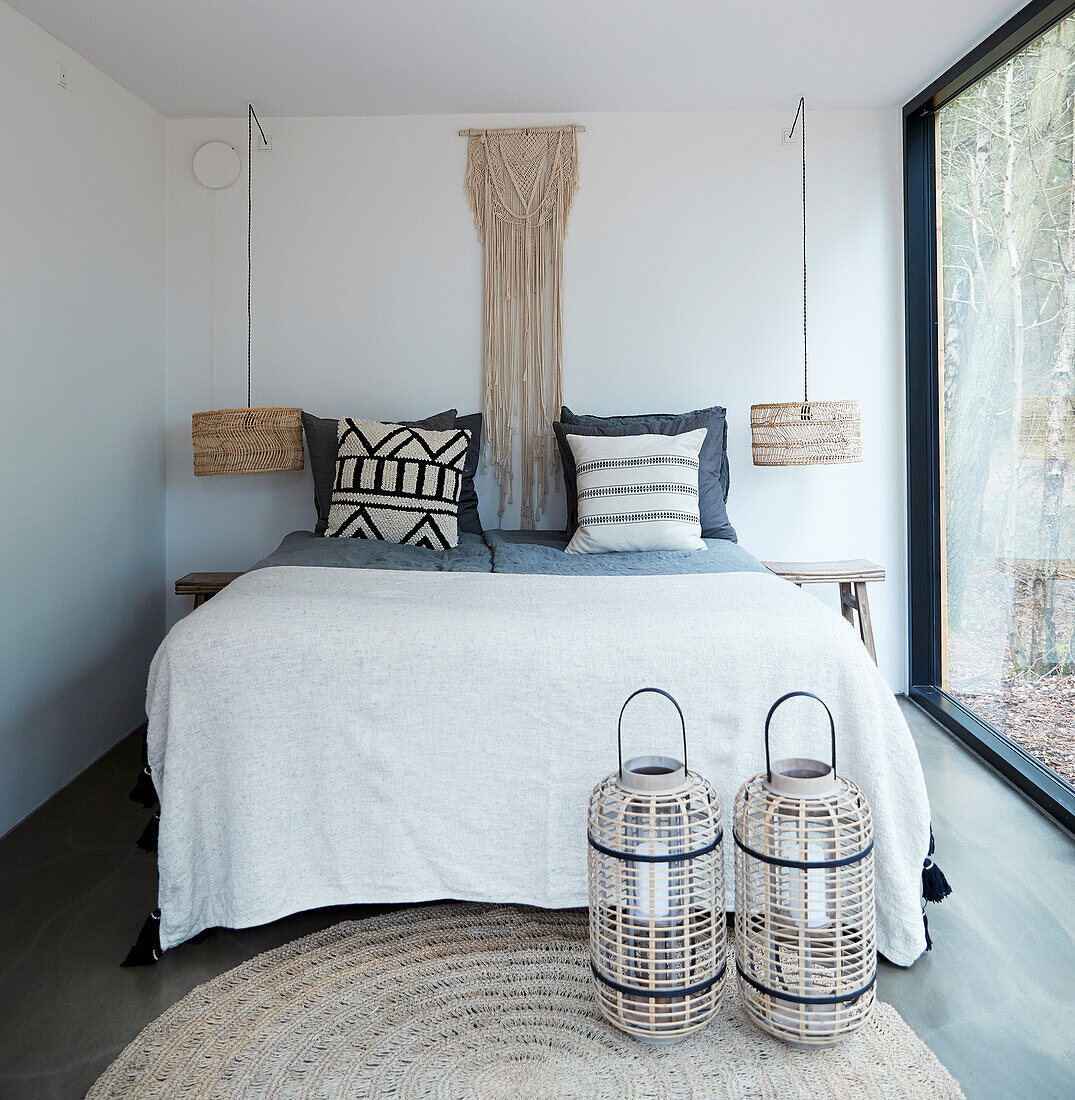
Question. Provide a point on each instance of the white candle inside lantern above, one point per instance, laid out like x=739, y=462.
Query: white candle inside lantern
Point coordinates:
x=647, y=883
x=807, y=891
x=800, y=839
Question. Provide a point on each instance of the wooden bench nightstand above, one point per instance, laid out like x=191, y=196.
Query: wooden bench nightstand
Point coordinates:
x=203, y=586
x=852, y=577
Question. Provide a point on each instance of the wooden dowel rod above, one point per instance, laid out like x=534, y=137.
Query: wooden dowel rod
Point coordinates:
x=522, y=130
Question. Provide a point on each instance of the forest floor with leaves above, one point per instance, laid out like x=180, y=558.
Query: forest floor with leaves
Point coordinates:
x=1037, y=713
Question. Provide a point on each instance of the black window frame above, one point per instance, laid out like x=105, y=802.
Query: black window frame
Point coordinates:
x=1024, y=771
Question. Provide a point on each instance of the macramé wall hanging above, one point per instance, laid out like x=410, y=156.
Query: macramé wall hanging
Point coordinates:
x=521, y=184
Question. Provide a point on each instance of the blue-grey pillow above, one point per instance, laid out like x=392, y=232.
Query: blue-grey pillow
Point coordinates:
x=469, y=520
x=713, y=474
x=321, y=446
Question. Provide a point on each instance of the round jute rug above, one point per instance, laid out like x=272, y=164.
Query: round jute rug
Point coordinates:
x=475, y=1001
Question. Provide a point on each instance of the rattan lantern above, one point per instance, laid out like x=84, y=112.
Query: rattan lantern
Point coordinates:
x=805, y=433
x=805, y=942
x=254, y=440
x=656, y=871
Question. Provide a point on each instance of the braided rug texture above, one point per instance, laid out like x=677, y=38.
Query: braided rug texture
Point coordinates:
x=476, y=1001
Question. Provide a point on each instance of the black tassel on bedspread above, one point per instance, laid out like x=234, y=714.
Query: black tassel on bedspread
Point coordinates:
x=148, y=840
x=147, y=948
x=144, y=792
x=935, y=887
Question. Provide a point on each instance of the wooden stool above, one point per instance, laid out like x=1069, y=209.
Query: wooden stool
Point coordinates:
x=852, y=577
x=203, y=586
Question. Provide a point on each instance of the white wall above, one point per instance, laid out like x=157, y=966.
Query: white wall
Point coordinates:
x=82, y=244
x=682, y=289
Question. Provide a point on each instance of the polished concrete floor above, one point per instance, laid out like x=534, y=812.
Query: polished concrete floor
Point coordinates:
x=995, y=999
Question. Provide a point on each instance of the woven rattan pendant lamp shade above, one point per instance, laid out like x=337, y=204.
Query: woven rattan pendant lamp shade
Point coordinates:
x=247, y=441
x=251, y=440
x=805, y=433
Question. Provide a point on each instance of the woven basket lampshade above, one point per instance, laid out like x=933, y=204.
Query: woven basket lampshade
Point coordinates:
x=247, y=441
x=254, y=440
x=806, y=433
x=805, y=939
x=656, y=871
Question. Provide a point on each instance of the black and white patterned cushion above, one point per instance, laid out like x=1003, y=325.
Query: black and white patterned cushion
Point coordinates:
x=397, y=484
x=637, y=492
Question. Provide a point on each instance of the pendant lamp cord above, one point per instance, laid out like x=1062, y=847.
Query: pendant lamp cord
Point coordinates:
x=801, y=112
x=251, y=118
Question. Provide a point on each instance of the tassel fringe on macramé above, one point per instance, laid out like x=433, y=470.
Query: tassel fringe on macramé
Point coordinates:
x=521, y=184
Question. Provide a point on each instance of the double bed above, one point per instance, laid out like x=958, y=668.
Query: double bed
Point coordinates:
x=356, y=721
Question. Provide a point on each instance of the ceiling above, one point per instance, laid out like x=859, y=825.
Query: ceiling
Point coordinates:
x=204, y=58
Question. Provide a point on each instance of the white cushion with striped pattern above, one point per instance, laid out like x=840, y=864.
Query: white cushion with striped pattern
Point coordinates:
x=637, y=492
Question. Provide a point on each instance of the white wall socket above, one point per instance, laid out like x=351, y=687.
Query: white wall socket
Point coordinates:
x=266, y=145
x=61, y=74
x=786, y=138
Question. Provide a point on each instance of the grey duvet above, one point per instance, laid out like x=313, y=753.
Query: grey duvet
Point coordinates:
x=307, y=549
x=508, y=552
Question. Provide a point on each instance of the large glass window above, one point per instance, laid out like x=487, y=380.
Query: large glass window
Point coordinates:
x=1005, y=156
x=989, y=202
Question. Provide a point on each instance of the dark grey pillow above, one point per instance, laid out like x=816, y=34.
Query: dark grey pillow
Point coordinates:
x=468, y=495
x=321, y=446
x=713, y=473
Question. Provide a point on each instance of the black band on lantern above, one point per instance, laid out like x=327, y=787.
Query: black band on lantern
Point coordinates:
x=804, y=864
x=838, y=999
x=635, y=857
x=660, y=994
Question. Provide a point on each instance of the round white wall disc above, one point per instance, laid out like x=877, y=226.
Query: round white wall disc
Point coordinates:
x=216, y=165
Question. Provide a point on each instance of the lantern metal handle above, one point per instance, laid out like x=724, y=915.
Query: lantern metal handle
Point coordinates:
x=772, y=711
x=682, y=722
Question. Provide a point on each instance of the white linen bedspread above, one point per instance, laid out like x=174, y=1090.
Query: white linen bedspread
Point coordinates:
x=329, y=736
